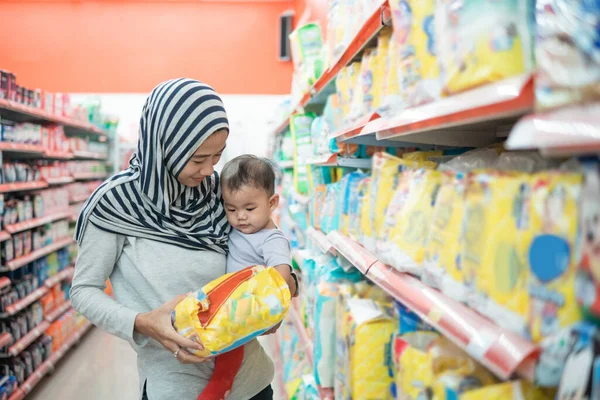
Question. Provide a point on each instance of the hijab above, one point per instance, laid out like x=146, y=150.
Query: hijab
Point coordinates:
x=146, y=200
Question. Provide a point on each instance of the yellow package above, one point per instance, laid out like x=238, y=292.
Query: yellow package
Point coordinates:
x=362, y=94
x=442, y=249
x=414, y=31
x=407, y=227
x=483, y=42
x=358, y=215
x=371, y=328
x=233, y=309
x=413, y=365
x=552, y=257
x=494, y=246
x=384, y=178
x=392, y=96
x=342, y=86
x=421, y=155
x=383, y=44
x=516, y=390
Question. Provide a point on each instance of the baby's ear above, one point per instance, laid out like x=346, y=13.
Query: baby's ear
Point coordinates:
x=274, y=202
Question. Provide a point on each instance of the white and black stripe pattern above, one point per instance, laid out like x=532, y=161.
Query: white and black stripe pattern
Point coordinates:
x=146, y=200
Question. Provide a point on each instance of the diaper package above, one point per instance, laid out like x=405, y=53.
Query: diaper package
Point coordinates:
x=384, y=178
x=588, y=277
x=493, y=256
x=358, y=214
x=413, y=369
x=329, y=276
x=306, y=45
x=509, y=390
x=480, y=42
x=331, y=213
x=233, y=309
x=300, y=125
x=552, y=253
x=349, y=198
x=408, y=219
x=295, y=363
x=441, y=267
x=392, y=100
x=365, y=325
x=414, y=32
x=567, y=51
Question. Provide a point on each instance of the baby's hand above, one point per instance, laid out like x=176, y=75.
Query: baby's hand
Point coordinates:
x=285, y=271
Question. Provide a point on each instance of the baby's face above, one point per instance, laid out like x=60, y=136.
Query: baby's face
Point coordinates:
x=249, y=209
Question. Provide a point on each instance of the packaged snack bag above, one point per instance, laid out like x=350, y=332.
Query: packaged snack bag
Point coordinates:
x=441, y=267
x=588, y=276
x=384, y=178
x=329, y=277
x=407, y=221
x=567, y=50
x=233, y=309
x=495, y=234
x=552, y=254
x=480, y=42
x=414, y=31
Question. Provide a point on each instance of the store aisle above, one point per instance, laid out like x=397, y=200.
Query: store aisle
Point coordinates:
x=101, y=367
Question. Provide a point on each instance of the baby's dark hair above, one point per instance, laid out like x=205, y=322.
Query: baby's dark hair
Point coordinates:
x=250, y=170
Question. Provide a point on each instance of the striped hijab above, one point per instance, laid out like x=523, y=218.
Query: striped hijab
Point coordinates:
x=146, y=200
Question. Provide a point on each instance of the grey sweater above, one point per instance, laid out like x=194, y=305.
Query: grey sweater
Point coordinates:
x=144, y=275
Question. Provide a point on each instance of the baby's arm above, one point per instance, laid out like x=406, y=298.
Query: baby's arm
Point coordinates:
x=277, y=253
x=286, y=272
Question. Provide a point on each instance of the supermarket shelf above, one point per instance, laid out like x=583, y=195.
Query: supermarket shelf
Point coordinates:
x=324, y=160
x=61, y=180
x=21, y=149
x=566, y=131
x=4, y=236
x=466, y=119
x=363, y=38
x=4, y=283
x=61, y=276
x=320, y=240
x=22, y=186
x=26, y=340
x=34, y=223
x=25, y=302
x=88, y=176
x=58, y=155
x=21, y=113
x=5, y=340
x=356, y=128
x=51, y=248
x=361, y=163
x=54, y=315
x=48, y=365
x=87, y=155
x=501, y=351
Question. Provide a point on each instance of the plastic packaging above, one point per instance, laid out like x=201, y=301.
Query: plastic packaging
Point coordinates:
x=233, y=309
x=567, y=51
x=414, y=32
x=480, y=42
x=300, y=125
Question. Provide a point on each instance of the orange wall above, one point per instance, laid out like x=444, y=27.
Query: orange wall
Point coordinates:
x=127, y=46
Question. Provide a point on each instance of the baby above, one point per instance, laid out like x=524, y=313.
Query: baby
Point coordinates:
x=248, y=186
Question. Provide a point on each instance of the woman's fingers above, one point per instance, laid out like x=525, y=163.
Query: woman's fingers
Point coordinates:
x=184, y=342
x=187, y=358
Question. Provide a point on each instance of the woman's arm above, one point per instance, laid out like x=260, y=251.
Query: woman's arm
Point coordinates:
x=98, y=254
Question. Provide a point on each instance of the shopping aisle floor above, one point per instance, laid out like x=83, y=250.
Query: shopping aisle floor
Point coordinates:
x=101, y=367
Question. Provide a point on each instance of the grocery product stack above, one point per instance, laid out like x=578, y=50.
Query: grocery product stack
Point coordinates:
x=53, y=155
x=437, y=261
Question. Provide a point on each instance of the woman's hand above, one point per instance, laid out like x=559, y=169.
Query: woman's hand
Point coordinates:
x=156, y=324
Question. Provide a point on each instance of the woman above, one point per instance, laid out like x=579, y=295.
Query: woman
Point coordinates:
x=158, y=230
